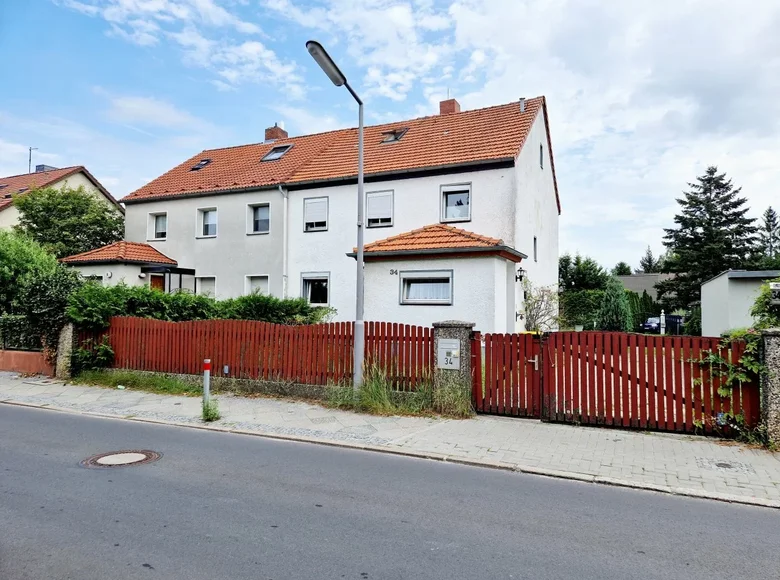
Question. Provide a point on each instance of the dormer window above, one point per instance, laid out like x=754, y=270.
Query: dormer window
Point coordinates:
x=276, y=152
x=394, y=135
x=200, y=165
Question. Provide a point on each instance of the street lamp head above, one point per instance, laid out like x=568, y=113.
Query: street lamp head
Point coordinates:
x=326, y=63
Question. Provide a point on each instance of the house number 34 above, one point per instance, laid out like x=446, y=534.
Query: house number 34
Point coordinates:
x=393, y=272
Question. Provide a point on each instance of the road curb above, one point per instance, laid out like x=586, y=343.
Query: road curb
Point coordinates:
x=528, y=470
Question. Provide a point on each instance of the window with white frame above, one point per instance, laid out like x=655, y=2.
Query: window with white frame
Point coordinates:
x=158, y=226
x=426, y=287
x=456, y=203
x=207, y=222
x=206, y=286
x=259, y=219
x=379, y=209
x=315, y=288
x=257, y=284
x=315, y=214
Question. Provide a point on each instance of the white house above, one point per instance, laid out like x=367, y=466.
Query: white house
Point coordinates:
x=46, y=176
x=727, y=298
x=132, y=264
x=280, y=216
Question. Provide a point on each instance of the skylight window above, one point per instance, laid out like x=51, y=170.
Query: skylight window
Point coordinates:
x=276, y=152
x=23, y=189
x=200, y=165
x=3, y=185
x=394, y=135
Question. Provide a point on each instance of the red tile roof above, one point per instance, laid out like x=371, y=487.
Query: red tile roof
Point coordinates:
x=16, y=184
x=469, y=137
x=439, y=237
x=124, y=252
x=433, y=237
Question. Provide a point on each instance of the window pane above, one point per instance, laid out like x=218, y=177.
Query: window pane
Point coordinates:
x=260, y=219
x=206, y=286
x=457, y=205
x=316, y=291
x=160, y=226
x=210, y=222
x=424, y=289
x=315, y=214
x=258, y=284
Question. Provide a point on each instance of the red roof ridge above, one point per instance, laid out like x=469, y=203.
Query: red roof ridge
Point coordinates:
x=458, y=238
x=41, y=172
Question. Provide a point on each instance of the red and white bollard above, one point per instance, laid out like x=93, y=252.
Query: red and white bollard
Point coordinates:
x=206, y=380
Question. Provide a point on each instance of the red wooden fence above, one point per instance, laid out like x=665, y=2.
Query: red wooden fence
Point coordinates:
x=646, y=382
x=403, y=352
x=510, y=383
x=316, y=354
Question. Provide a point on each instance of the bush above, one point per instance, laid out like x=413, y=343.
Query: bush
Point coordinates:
x=766, y=315
x=614, y=313
x=692, y=325
x=91, y=356
x=93, y=305
x=19, y=258
x=580, y=307
x=16, y=333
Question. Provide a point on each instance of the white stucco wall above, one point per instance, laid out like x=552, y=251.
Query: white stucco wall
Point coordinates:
x=478, y=292
x=229, y=257
x=119, y=273
x=726, y=303
x=9, y=217
x=417, y=203
x=715, y=306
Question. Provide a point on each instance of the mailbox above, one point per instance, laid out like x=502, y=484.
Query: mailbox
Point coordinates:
x=449, y=353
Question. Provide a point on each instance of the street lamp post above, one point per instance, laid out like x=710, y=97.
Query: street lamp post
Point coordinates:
x=330, y=68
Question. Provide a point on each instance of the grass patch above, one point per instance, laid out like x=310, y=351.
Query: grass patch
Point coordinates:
x=150, y=383
x=211, y=411
x=376, y=396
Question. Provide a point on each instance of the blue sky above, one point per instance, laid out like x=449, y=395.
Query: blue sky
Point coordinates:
x=642, y=95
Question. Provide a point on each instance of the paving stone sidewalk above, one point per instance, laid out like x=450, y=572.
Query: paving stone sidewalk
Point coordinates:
x=694, y=466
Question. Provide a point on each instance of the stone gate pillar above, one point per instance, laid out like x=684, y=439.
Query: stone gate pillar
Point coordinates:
x=770, y=391
x=452, y=367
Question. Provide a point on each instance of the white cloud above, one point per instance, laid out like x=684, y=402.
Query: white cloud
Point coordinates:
x=304, y=122
x=150, y=112
x=202, y=30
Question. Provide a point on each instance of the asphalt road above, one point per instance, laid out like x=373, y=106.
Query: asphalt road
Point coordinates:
x=230, y=507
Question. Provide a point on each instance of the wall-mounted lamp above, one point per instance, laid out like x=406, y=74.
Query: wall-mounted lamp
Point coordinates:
x=142, y=275
x=520, y=275
x=107, y=275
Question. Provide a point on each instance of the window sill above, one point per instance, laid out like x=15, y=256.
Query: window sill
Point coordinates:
x=455, y=220
x=428, y=303
x=379, y=227
x=258, y=233
x=204, y=237
x=157, y=240
x=315, y=231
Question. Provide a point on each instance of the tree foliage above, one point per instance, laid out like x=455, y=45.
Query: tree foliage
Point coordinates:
x=68, y=221
x=580, y=307
x=648, y=263
x=580, y=273
x=93, y=305
x=769, y=234
x=20, y=258
x=622, y=269
x=712, y=233
x=765, y=314
x=541, y=307
x=614, y=313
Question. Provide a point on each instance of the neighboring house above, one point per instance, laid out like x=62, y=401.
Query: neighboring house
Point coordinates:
x=644, y=282
x=280, y=216
x=46, y=176
x=727, y=298
x=132, y=264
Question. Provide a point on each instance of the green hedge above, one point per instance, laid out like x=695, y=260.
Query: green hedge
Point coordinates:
x=16, y=333
x=92, y=306
x=580, y=307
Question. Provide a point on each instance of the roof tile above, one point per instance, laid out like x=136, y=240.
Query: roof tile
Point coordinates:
x=433, y=237
x=492, y=133
x=122, y=252
x=15, y=184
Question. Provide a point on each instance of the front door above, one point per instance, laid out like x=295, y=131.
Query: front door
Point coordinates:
x=157, y=282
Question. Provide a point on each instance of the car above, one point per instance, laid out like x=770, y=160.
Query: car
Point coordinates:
x=674, y=324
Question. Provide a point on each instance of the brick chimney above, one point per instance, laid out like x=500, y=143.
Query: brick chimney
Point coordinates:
x=275, y=133
x=449, y=106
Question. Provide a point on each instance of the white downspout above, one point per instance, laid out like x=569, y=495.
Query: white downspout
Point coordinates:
x=284, y=240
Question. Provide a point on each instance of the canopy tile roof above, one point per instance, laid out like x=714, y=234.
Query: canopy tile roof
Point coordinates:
x=122, y=252
x=433, y=237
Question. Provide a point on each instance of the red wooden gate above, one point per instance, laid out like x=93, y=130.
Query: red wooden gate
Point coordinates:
x=663, y=383
x=506, y=379
x=647, y=382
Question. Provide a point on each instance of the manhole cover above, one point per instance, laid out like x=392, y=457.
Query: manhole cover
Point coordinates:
x=724, y=466
x=121, y=458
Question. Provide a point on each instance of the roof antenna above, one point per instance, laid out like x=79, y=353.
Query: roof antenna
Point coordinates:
x=29, y=159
